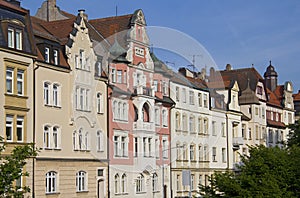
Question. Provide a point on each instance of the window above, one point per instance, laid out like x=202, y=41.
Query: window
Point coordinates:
x=81, y=181
x=178, y=151
x=82, y=99
x=9, y=128
x=178, y=182
x=223, y=130
x=125, y=76
x=86, y=141
x=224, y=155
x=164, y=118
x=250, y=133
x=14, y=38
x=11, y=38
x=177, y=120
x=200, y=99
x=113, y=75
x=214, y=130
x=213, y=102
x=184, y=152
x=200, y=179
x=205, y=101
x=20, y=128
x=154, y=182
x=145, y=147
x=244, y=131
x=47, y=55
x=150, y=147
x=156, y=148
x=120, y=110
x=191, y=97
x=271, y=139
x=51, y=137
x=136, y=146
x=100, y=141
x=165, y=88
x=200, y=127
x=214, y=153
x=205, y=153
x=120, y=146
x=9, y=80
x=259, y=90
x=192, y=124
x=46, y=93
x=139, y=185
x=157, y=117
x=55, y=95
x=200, y=153
x=119, y=76
x=205, y=123
x=51, y=182
x=20, y=82
x=117, y=183
x=99, y=103
x=192, y=182
x=55, y=57
x=124, y=183
x=98, y=67
x=177, y=94
x=155, y=85
x=165, y=148
x=184, y=122
x=81, y=59
x=184, y=95
x=192, y=152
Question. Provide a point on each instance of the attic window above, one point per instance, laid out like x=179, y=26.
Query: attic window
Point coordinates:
x=14, y=38
x=259, y=90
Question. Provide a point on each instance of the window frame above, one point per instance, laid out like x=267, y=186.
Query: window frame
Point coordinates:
x=81, y=181
x=51, y=178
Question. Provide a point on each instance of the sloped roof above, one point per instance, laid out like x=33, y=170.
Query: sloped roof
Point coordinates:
x=13, y=7
x=273, y=99
x=297, y=96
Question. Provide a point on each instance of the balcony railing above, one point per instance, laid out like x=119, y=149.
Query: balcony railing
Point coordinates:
x=144, y=126
x=140, y=90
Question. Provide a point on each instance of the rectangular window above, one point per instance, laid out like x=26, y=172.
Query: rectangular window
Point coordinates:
x=125, y=76
x=9, y=127
x=145, y=147
x=249, y=133
x=205, y=101
x=177, y=94
x=192, y=182
x=119, y=76
x=9, y=80
x=136, y=147
x=214, y=154
x=165, y=148
x=184, y=95
x=155, y=85
x=191, y=97
x=55, y=95
x=11, y=38
x=55, y=57
x=244, y=131
x=157, y=117
x=116, y=146
x=205, y=153
x=214, y=130
x=223, y=155
x=20, y=128
x=18, y=39
x=20, y=81
x=81, y=59
x=156, y=148
x=113, y=75
x=47, y=55
x=98, y=67
x=223, y=129
x=192, y=152
x=200, y=99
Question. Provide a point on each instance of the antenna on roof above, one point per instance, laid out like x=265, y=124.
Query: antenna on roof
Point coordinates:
x=252, y=65
x=116, y=10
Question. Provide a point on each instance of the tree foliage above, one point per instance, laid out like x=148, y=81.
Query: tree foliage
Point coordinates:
x=11, y=169
x=266, y=172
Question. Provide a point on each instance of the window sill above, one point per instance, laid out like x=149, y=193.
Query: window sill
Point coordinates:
x=16, y=95
x=52, y=193
x=55, y=149
x=140, y=192
x=83, y=191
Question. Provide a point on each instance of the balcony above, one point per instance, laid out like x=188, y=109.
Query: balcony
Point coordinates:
x=236, y=142
x=143, y=126
x=140, y=90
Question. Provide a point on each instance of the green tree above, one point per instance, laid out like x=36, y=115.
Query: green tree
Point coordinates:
x=11, y=169
x=294, y=135
x=267, y=172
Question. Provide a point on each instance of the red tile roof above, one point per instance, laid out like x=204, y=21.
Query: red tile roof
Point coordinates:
x=13, y=7
x=273, y=99
x=297, y=96
x=275, y=123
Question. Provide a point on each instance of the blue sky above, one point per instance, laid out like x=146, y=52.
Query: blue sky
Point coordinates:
x=238, y=32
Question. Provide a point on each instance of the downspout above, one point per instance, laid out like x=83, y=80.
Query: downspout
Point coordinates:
x=171, y=189
x=33, y=128
x=107, y=136
x=227, y=140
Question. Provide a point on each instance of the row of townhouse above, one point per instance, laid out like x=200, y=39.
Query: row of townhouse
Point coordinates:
x=112, y=120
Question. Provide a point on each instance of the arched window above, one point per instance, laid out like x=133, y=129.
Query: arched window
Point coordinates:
x=99, y=103
x=117, y=183
x=136, y=114
x=154, y=182
x=46, y=137
x=145, y=110
x=139, y=186
x=124, y=183
x=80, y=143
x=81, y=181
x=55, y=137
x=46, y=93
x=100, y=146
x=51, y=182
x=191, y=124
x=55, y=94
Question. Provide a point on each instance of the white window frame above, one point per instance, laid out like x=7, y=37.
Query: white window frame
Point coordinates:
x=10, y=125
x=155, y=187
x=119, y=76
x=55, y=57
x=140, y=184
x=81, y=181
x=100, y=103
x=47, y=136
x=100, y=141
x=20, y=80
x=56, y=137
x=46, y=88
x=11, y=38
x=10, y=78
x=51, y=182
x=164, y=117
x=47, y=55
x=113, y=75
x=56, y=94
x=20, y=127
x=124, y=183
x=117, y=183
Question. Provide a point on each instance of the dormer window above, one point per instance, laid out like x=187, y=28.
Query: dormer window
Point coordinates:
x=14, y=38
x=55, y=57
x=47, y=55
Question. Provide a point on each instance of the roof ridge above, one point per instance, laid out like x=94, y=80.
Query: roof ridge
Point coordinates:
x=111, y=17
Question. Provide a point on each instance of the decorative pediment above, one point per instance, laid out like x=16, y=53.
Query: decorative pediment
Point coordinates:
x=138, y=17
x=15, y=22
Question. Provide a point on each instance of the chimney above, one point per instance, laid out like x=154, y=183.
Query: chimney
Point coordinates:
x=82, y=14
x=228, y=67
x=14, y=2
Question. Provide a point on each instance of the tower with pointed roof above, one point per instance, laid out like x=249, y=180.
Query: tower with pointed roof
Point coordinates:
x=271, y=77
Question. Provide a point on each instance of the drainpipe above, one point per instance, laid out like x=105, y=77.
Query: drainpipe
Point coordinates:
x=227, y=141
x=33, y=128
